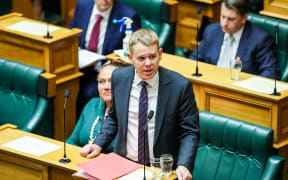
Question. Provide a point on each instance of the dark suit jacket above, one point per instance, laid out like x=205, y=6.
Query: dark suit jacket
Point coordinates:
x=255, y=49
x=113, y=38
x=177, y=118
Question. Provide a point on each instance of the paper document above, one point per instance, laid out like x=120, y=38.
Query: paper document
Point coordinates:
x=261, y=85
x=83, y=175
x=109, y=166
x=137, y=175
x=34, y=28
x=31, y=145
x=87, y=58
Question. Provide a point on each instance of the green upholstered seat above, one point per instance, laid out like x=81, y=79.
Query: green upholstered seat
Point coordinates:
x=268, y=24
x=231, y=149
x=21, y=102
x=155, y=15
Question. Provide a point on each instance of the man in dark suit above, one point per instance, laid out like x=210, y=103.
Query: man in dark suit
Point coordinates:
x=253, y=45
x=174, y=129
x=85, y=17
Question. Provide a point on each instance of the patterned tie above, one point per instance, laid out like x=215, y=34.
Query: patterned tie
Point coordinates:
x=142, y=126
x=227, y=53
x=93, y=43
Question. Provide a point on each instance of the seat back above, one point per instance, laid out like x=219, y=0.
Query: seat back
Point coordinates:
x=231, y=149
x=268, y=24
x=21, y=103
x=155, y=15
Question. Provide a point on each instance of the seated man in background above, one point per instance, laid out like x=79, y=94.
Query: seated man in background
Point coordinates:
x=92, y=116
x=235, y=37
x=88, y=16
x=145, y=87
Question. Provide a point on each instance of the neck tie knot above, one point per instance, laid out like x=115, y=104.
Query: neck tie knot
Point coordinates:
x=143, y=84
x=99, y=17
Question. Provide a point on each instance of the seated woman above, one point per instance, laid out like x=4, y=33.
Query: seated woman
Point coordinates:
x=92, y=116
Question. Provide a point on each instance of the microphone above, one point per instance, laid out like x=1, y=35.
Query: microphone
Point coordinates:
x=197, y=74
x=48, y=36
x=276, y=31
x=65, y=159
x=149, y=117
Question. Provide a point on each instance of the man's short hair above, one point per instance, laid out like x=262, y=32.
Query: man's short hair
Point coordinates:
x=145, y=36
x=241, y=6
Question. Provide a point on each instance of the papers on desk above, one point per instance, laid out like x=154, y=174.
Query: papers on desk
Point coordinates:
x=137, y=175
x=120, y=52
x=261, y=85
x=30, y=27
x=87, y=58
x=107, y=167
x=31, y=145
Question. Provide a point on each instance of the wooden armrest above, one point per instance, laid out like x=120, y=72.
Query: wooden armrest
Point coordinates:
x=48, y=85
x=172, y=4
x=5, y=126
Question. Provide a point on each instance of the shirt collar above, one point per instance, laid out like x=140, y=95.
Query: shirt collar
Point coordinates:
x=237, y=35
x=151, y=82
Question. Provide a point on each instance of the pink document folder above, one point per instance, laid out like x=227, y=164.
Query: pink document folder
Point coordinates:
x=109, y=166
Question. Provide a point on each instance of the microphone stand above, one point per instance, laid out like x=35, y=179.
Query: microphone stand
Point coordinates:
x=65, y=159
x=197, y=74
x=276, y=30
x=48, y=36
x=150, y=115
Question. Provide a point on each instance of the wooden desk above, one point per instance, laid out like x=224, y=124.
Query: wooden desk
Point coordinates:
x=276, y=8
x=58, y=56
x=17, y=165
x=216, y=93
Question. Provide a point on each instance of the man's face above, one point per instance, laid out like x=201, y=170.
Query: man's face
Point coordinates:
x=230, y=20
x=145, y=59
x=103, y=5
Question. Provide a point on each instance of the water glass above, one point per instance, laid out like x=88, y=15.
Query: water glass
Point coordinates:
x=235, y=68
x=156, y=169
x=166, y=161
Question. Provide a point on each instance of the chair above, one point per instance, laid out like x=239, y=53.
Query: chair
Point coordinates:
x=268, y=24
x=158, y=16
x=233, y=149
x=22, y=97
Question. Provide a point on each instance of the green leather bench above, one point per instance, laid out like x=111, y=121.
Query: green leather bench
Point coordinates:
x=231, y=149
x=268, y=24
x=158, y=16
x=22, y=97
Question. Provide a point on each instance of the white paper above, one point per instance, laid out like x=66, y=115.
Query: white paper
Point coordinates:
x=33, y=28
x=261, y=85
x=87, y=57
x=137, y=175
x=31, y=145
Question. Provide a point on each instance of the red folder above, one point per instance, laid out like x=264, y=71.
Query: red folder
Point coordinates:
x=109, y=166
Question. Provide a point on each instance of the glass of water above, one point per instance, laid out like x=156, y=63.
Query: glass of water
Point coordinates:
x=235, y=68
x=166, y=162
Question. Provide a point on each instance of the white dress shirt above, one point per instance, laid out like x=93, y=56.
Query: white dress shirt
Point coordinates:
x=103, y=27
x=132, y=129
x=236, y=37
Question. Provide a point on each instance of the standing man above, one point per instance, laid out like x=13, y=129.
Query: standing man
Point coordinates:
x=100, y=35
x=140, y=89
x=235, y=37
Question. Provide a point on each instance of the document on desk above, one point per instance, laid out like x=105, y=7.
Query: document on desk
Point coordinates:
x=261, y=85
x=30, y=27
x=109, y=166
x=31, y=145
x=87, y=58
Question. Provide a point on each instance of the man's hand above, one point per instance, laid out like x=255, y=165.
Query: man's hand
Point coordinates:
x=90, y=150
x=183, y=173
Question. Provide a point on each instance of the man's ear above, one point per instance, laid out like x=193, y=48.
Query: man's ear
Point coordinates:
x=129, y=55
x=244, y=19
x=160, y=53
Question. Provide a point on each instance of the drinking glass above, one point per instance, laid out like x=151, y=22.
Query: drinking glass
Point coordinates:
x=235, y=68
x=166, y=161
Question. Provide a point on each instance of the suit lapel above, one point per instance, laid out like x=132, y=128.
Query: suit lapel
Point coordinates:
x=125, y=88
x=243, y=42
x=218, y=43
x=86, y=17
x=163, y=96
